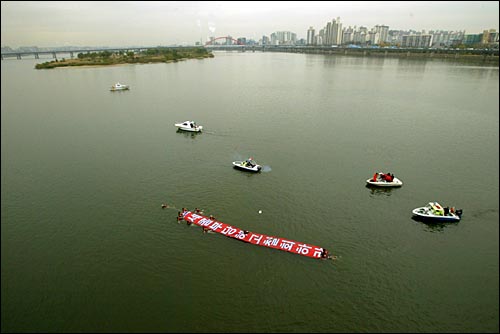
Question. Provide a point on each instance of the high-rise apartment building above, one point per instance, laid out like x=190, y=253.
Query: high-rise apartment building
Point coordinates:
x=283, y=38
x=383, y=33
x=333, y=33
x=417, y=41
x=310, y=36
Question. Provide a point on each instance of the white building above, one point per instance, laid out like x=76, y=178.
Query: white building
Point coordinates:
x=383, y=33
x=283, y=38
x=333, y=33
x=310, y=36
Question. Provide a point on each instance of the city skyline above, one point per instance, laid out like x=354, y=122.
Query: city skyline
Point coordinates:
x=76, y=23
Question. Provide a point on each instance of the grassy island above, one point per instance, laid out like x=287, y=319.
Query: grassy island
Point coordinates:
x=157, y=55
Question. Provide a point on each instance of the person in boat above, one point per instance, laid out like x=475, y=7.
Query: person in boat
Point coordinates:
x=388, y=177
x=250, y=163
x=179, y=217
x=196, y=210
x=374, y=179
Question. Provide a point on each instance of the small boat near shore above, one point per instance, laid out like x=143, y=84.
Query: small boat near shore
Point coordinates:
x=433, y=211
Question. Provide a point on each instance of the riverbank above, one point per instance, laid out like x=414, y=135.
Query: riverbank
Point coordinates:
x=489, y=57
x=106, y=58
x=457, y=56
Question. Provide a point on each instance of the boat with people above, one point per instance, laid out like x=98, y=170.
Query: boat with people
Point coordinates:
x=119, y=86
x=248, y=165
x=380, y=179
x=436, y=212
x=189, y=126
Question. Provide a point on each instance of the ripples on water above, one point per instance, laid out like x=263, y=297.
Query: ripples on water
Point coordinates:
x=94, y=251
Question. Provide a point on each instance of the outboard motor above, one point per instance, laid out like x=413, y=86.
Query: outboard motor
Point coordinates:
x=459, y=213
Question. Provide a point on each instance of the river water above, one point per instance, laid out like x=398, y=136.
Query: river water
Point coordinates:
x=86, y=246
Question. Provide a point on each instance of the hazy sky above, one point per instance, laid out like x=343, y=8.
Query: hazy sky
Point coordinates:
x=151, y=23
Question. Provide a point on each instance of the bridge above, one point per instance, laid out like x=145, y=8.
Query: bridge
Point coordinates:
x=54, y=53
x=226, y=38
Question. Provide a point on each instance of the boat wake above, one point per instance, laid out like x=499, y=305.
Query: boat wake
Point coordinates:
x=266, y=169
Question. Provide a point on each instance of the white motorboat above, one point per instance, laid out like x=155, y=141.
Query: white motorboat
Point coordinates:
x=119, y=86
x=435, y=212
x=249, y=165
x=384, y=180
x=189, y=126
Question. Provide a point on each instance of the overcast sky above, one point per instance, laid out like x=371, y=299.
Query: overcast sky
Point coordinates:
x=151, y=23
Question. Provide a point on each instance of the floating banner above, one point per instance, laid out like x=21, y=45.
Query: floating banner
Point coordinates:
x=254, y=238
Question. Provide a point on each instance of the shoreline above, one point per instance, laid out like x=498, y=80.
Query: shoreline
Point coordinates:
x=461, y=58
x=123, y=64
x=93, y=60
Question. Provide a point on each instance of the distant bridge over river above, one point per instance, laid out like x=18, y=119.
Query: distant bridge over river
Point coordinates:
x=72, y=53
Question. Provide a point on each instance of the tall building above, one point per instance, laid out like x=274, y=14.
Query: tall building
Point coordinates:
x=310, y=36
x=320, y=38
x=472, y=39
x=417, y=41
x=446, y=38
x=373, y=37
x=360, y=36
x=283, y=38
x=333, y=33
x=489, y=36
x=383, y=33
x=348, y=35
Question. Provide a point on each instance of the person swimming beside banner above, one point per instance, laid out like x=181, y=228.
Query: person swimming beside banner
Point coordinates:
x=325, y=254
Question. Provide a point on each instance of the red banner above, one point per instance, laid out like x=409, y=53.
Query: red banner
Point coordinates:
x=254, y=238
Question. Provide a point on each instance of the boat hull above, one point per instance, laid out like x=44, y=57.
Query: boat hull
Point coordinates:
x=189, y=129
x=119, y=87
x=424, y=214
x=395, y=183
x=238, y=165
